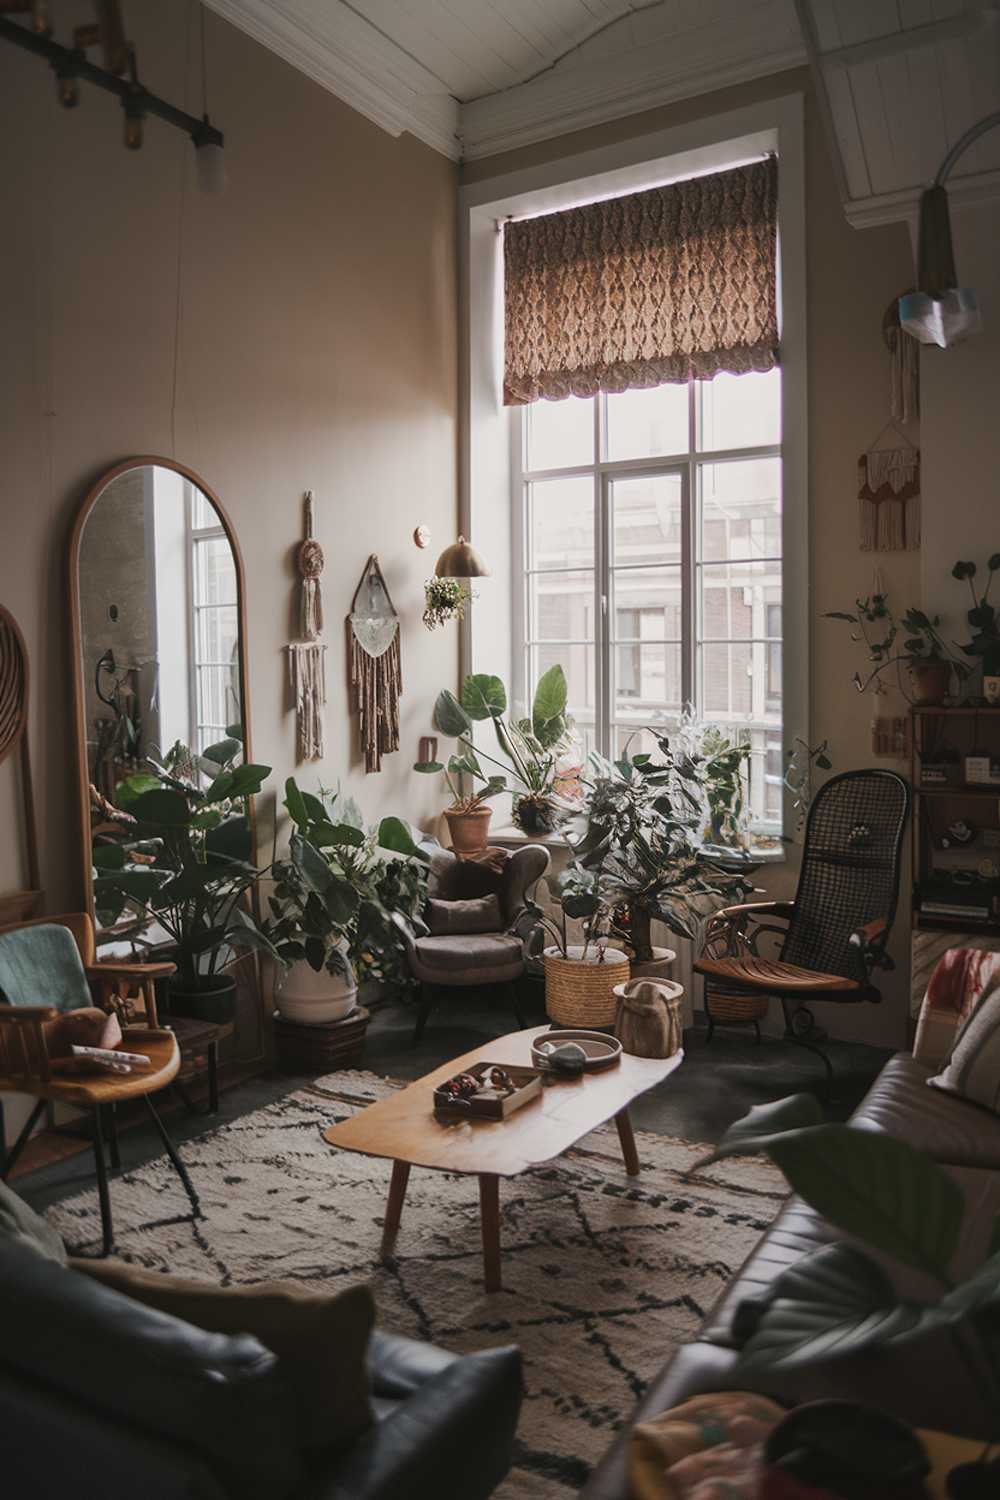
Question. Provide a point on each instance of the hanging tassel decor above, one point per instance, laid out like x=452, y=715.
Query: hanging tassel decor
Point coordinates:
x=376, y=670
x=889, y=497
x=904, y=371
x=307, y=677
x=311, y=566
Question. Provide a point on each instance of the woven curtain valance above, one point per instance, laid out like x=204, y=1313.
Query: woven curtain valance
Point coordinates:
x=660, y=286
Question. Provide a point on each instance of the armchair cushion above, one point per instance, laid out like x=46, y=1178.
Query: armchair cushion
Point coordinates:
x=468, y=958
x=320, y=1338
x=18, y=1221
x=973, y=1069
x=89, y=1027
x=224, y=1397
x=480, y=914
x=41, y=965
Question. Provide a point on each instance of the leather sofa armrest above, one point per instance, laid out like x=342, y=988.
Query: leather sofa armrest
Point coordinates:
x=454, y=1435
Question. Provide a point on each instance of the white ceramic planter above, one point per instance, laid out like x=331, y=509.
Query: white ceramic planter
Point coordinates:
x=659, y=966
x=312, y=999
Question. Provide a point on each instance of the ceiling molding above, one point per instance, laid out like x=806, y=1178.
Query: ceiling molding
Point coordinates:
x=352, y=60
x=890, y=208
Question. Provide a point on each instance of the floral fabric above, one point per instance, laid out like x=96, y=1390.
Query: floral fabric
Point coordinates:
x=656, y=287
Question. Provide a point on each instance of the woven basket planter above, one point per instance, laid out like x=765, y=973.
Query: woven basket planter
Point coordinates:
x=730, y=1005
x=580, y=992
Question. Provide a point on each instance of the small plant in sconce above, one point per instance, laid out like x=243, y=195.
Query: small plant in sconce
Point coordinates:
x=444, y=599
x=984, y=647
x=912, y=641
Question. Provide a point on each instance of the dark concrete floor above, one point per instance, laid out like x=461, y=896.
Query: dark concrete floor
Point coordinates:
x=717, y=1083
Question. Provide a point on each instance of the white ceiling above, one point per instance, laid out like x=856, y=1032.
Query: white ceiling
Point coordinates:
x=899, y=79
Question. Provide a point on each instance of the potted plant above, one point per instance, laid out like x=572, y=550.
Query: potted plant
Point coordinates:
x=534, y=749
x=444, y=599
x=984, y=646
x=339, y=908
x=580, y=978
x=181, y=860
x=923, y=652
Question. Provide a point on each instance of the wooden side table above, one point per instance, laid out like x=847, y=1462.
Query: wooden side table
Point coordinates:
x=197, y=1039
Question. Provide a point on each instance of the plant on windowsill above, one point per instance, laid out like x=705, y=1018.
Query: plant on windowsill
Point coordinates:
x=922, y=651
x=444, y=599
x=838, y=1302
x=340, y=910
x=533, y=750
x=984, y=647
x=637, y=857
x=181, y=862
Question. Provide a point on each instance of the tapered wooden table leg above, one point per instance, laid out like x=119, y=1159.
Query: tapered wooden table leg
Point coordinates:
x=489, y=1210
x=627, y=1139
x=394, y=1207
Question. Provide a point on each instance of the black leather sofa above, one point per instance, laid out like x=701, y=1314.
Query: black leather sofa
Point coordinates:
x=933, y=1384
x=102, y=1400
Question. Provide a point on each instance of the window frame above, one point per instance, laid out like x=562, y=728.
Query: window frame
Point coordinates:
x=702, y=144
x=196, y=536
x=605, y=472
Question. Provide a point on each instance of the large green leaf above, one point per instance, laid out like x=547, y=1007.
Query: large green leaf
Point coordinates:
x=876, y=1188
x=310, y=864
x=549, y=707
x=753, y=1132
x=161, y=808
x=483, y=696
x=108, y=857
x=336, y=836
x=450, y=717
x=141, y=885
x=295, y=804
x=222, y=752
x=831, y=1304
x=248, y=780
x=132, y=787
x=400, y=838
x=428, y=767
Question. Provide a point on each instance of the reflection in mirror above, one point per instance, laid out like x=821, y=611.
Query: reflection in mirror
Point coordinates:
x=159, y=626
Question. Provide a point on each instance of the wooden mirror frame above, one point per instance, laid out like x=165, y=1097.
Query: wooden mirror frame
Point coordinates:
x=90, y=499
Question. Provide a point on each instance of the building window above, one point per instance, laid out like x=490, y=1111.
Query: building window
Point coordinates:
x=650, y=537
x=214, y=626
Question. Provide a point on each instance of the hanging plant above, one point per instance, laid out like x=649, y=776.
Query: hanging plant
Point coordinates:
x=444, y=599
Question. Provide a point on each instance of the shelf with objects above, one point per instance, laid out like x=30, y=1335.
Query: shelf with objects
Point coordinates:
x=955, y=771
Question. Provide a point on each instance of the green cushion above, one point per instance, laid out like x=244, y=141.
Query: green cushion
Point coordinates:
x=42, y=966
x=19, y=1222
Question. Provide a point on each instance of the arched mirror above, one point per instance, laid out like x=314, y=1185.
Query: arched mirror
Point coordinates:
x=159, y=661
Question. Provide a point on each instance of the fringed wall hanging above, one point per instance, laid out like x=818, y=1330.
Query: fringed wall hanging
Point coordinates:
x=904, y=376
x=376, y=670
x=889, y=495
x=307, y=659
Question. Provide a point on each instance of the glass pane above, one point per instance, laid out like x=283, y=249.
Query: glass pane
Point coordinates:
x=203, y=512
x=741, y=509
x=647, y=519
x=648, y=424
x=726, y=679
x=561, y=606
x=740, y=601
x=560, y=433
x=647, y=604
x=215, y=572
x=739, y=411
x=218, y=703
x=561, y=523
x=218, y=634
x=647, y=682
x=635, y=741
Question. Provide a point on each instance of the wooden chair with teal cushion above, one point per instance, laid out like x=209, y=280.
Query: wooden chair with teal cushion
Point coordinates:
x=48, y=968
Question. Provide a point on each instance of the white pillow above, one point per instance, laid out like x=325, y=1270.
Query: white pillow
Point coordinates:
x=973, y=1070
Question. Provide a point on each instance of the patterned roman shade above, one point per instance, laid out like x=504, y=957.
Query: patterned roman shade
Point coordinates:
x=659, y=286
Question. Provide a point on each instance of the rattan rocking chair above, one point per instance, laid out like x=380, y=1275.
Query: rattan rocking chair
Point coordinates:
x=838, y=926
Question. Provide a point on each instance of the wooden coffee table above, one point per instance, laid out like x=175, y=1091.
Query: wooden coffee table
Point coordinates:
x=404, y=1129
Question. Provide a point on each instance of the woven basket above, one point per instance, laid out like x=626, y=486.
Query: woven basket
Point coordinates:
x=579, y=993
x=730, y=1005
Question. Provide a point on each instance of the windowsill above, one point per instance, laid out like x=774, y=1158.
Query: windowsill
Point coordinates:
x=510, y=836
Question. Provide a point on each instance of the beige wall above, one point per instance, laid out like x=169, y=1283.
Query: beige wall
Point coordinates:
x=317, y=349
x=851, y=278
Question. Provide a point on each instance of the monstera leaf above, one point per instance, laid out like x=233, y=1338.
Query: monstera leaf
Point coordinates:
x=753, y=1132
x=548, y=712
x=483, y=696
x=833, y=1303
x=450, y=717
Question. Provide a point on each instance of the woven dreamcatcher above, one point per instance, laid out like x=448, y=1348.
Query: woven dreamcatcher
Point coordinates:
x=376, y=671
x=904, y=355
x=889, y=495
x=307, y=659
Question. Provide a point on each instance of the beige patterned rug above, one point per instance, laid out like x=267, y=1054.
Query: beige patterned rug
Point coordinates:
x=603, y=1275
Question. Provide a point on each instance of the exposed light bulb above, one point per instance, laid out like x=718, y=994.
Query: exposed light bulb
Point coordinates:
x=69, y=92
x=211, y=160
x=41, y=21
x=133, y=132
x=943, y=319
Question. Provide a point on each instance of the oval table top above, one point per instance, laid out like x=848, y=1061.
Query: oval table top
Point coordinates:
x=404, y=1127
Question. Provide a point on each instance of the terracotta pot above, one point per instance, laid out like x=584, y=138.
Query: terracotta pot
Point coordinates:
x=313, y=999
x=469, y=830
x=930, y=681
x=657, y=967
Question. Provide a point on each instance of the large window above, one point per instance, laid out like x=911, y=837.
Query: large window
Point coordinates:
x=649, y=529
x=215, y=625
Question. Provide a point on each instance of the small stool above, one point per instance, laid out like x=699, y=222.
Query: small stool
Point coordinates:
x=195, y=1038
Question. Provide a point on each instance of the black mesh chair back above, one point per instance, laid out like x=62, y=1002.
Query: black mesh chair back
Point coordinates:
x=850, y=867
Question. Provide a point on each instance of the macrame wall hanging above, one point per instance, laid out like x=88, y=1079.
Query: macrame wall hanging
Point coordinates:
x=889, y=495
x=307, y=659
x=376, y=671
x=904, y=376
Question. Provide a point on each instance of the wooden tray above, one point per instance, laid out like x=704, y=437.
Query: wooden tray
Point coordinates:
x=528, y=1086
x=602, y=1049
